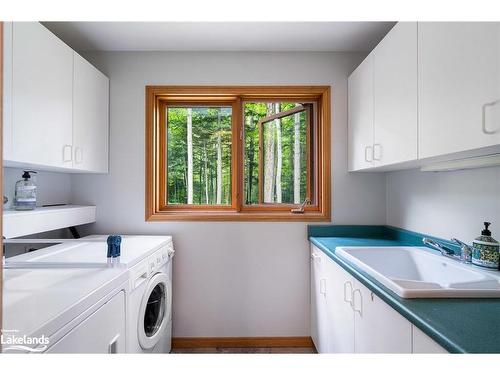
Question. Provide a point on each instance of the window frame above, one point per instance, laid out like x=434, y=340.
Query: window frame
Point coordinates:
x=157, y=98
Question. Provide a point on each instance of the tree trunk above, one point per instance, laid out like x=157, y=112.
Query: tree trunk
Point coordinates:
x=205, y=163
x=250, y=162
x=190, y=155
x=268, y=157
x=296, y=159
x=219, y=162
x=279, y=157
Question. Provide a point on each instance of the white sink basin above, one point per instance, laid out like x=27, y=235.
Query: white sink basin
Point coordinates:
x=417, y=272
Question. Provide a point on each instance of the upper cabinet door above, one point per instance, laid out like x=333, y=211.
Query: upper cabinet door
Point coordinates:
x=459, y=86
x=42, y=85
x=360, y=113
x=90, y=117
x=395, y=96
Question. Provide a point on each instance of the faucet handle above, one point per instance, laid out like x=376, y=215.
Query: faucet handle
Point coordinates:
x=458, y=242
x=465, y=250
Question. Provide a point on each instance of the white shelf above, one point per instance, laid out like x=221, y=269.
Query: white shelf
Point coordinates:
x=43, y=219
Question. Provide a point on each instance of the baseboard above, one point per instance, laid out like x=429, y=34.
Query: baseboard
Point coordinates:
x=241, y=342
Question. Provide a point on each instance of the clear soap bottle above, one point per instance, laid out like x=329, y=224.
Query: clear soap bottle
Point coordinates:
x=25, y=193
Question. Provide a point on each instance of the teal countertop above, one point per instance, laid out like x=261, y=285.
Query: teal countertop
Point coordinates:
x=470, y=325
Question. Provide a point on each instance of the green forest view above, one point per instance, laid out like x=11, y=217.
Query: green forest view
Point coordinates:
x=199, y=155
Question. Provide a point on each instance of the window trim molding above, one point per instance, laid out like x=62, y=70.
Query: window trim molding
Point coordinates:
x=155, y=211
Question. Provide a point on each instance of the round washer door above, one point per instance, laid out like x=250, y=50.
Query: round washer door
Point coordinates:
x=154, y=312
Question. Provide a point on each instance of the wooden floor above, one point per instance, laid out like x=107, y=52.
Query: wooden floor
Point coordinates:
x=262, y=350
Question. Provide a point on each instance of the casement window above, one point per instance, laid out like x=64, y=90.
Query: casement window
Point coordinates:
x=238, y=153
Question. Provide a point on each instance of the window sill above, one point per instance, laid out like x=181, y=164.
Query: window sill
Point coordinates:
x=237, y=216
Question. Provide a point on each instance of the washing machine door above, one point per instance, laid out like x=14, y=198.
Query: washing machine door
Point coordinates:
x=154, y=313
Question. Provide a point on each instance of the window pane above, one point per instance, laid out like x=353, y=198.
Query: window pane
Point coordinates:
x=199, y=155
x=284, y=154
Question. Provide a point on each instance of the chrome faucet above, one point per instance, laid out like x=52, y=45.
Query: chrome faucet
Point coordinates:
x=447, y=252
x=465, y=251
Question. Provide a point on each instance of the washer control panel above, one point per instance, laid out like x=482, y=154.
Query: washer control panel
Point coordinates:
x=160, y=258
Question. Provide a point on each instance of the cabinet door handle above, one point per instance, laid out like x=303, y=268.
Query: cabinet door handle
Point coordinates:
x=368, y=151
x=315, y=257
x=348, y=283
x=375, y=146
x=67, y=148
x=360, y=309
x=485, y=128
x=322, y=287
x=78, y=155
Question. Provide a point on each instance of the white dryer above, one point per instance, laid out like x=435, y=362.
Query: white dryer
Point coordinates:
x=148, y=298
x=150, y=304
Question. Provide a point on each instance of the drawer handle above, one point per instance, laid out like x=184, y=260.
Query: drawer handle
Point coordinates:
x=360, y=310
x=78, y=155
x=375, y=147
x=485, y=129
x=65, y=153
x=315, y=257
x=368, y=151
x=348, y=283
x=322, y=287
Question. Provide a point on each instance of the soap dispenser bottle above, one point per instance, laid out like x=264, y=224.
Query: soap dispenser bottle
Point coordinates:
x=485, y=249
x=25, y=193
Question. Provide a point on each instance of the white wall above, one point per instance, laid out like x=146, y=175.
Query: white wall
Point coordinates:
x=230, y=279
x=445, y=204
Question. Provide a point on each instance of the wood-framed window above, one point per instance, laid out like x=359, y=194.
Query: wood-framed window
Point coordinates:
x=245, y=153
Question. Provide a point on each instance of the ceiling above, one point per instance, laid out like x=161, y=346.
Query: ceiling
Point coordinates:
x=221, y=36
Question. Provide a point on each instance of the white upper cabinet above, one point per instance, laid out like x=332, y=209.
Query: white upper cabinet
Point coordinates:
x=459, y=86
x=90, y=117
x=55, y=104
x=42, y=85
x=383, y=102
x=433, y=89
x=360, y=130
x=395, y=96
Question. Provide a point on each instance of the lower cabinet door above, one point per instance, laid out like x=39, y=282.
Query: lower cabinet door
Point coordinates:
x=339, y=288
x=424, y=344
x=101, y=332
x=378, y=328
x=319, y=318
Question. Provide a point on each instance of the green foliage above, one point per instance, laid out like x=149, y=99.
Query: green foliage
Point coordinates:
x=208, y=123
x=253, y=113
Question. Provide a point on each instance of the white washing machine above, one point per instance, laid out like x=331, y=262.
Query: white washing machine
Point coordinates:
x=150, y=304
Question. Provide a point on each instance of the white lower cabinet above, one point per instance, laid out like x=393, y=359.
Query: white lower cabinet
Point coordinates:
x=319, y=319
x=378, y=328
x=340, y=315
x=101, y=332
x=424, y=344
x=346, y=317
